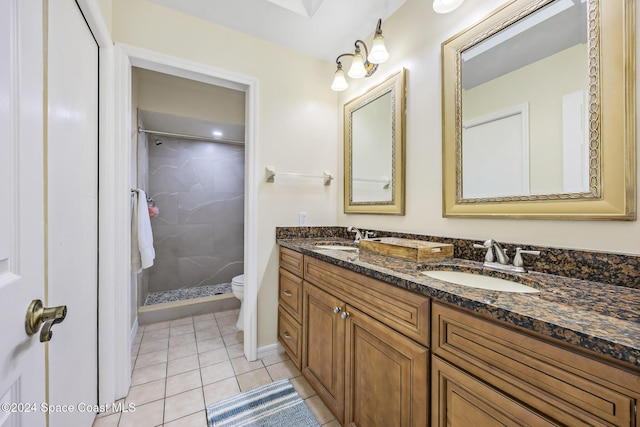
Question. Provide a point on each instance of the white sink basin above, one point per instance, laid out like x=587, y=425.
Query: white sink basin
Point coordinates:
x=337, y=247
x=479, y=281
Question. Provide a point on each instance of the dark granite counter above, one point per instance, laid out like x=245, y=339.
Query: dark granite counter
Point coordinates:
x=599, y=317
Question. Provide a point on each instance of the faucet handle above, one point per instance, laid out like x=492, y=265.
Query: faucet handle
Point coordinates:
x=488, y=246
x=517, y=260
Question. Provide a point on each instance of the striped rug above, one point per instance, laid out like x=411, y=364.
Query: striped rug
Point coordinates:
x=273, y=405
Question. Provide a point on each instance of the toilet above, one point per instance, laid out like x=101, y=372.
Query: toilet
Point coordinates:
x=237, y=286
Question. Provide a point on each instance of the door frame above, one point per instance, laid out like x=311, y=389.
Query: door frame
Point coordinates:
x=108, y=350
x=115, y=178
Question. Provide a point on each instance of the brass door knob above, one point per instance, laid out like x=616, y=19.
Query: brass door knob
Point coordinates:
x=37, y=314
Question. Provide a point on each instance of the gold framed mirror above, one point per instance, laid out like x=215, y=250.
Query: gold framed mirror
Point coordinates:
x=539, y=112
x=374, y=149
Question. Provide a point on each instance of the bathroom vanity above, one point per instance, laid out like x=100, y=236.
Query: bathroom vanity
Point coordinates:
x=383, y=344
x=364, y=345
x=487, y=374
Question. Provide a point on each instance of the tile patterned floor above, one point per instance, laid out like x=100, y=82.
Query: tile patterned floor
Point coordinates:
x=180, y=366
x=187, y=293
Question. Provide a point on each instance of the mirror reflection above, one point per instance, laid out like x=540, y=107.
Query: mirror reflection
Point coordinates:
x=525, y=107
x=374, y=149
x=539, y=121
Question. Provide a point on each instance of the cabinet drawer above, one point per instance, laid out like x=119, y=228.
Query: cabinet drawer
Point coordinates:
x=461, y=400
x=292, y=261
x=566, y=386
x=289, y=334
x=400, y=309
x=290, y=294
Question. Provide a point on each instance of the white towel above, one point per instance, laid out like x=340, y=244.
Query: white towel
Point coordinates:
x=142, y=252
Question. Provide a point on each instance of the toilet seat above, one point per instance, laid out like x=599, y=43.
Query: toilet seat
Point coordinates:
x=238, y=280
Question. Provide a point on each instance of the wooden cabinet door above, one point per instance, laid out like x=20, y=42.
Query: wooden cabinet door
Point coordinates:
x=386, y=375
x=570, y=388
x=323, y=347
x=460, y=400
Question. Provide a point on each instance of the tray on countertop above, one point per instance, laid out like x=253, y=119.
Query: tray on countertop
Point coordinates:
x=415, y=250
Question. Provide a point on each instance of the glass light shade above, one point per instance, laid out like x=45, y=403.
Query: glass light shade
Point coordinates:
x=357, y=69
x=378, y=52
x=446, y=6
x=339, y=81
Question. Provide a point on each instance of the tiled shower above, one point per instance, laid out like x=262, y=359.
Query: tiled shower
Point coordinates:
x=198, y=187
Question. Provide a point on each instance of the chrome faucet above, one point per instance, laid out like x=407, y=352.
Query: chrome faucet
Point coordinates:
x=495, y=250
x=500, y=253
x=517, y=260
x=352, y=229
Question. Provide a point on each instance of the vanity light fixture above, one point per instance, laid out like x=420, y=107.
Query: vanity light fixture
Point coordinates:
x=362, y=66
x=446, y=6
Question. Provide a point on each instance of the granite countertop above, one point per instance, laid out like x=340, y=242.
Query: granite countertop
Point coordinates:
x=595, y=316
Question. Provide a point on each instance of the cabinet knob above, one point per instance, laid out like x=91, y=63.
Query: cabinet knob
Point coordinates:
x=337, y=310
x=287, y=293
x=286, y=335
x=344, y=315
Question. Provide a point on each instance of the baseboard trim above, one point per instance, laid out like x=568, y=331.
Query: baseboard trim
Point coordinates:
x=270, y=350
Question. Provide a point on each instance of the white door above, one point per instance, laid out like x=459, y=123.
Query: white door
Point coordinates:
x=30, y=169
x=72, y=211
x=496, y=154
x=21, y=211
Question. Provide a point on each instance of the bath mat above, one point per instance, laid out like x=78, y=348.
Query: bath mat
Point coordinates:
x=273, y=405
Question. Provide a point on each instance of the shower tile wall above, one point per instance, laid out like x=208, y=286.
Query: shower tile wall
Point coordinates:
x=199, y=232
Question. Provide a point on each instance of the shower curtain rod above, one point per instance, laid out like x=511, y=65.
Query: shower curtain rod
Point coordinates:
x=199, y=138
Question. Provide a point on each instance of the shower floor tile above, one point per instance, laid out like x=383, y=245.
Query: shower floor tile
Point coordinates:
x=187, y=293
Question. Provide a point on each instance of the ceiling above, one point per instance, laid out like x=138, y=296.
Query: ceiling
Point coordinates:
x=319, y=28
x=553, y=28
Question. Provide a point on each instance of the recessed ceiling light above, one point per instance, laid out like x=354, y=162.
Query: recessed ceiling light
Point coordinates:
x=446, y=6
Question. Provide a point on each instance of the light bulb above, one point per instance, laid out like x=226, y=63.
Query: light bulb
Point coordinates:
x=339, y=82
x=446, y=6
x=378, y=52
x=357, y=69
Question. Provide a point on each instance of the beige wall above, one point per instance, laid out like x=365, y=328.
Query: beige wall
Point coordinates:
x=299, y=129
x=296, y=122
x=541, y=85
x=413, y=36
x=163, y=93
x=105, y=9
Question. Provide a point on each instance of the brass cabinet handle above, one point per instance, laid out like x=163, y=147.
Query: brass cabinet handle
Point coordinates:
x=286, y=335
x=37, y=315
x=287, y=293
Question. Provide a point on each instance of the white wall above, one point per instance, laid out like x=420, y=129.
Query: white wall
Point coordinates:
x=296, y=122
x=413, y=36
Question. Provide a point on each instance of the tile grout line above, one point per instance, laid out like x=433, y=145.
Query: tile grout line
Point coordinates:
x=229, y=344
